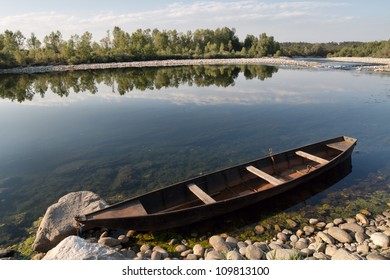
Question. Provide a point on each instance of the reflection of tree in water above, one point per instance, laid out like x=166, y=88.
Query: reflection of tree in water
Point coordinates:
x=24, y=87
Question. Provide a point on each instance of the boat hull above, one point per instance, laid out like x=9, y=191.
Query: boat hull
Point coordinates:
x=162, y=220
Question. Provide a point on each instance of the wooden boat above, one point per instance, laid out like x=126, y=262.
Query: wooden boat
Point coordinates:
x=222, y=191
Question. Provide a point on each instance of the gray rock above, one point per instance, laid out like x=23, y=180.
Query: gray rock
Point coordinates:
x=380, y=239
x=320, y=256
x=129, y=254
x=252, y=252
x=242, y=251
x=191, y=257
x=351, y=227
x=76, y=248
x=231, y=241
x=219, y=244
x=293, y=238
x=259, y=229
x=350, y=220
x=363, y=249
x=342, y=254
x=281, y=236
x=144, y=248
x=362, y=219
x=300, y=245
x=162, y=251
x=241, y=244
x=198, y=250
x=185, y=253
x=234, y=255
x=123, y=239
x=58, y=221
x=321, y=225
x=180, y=248
x=326, y=237
x=109, y=241
x=339, y=234
x=215, y=255
x=375, y=256
x=308, y=230
x=330, y=250
x=156, y=256
x=360, y=237
x=282, y=254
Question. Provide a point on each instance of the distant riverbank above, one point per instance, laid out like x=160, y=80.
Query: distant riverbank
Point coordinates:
x=383, y=64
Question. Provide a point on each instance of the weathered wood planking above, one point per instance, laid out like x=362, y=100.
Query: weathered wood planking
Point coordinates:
x=312, y=157
x=263, y=175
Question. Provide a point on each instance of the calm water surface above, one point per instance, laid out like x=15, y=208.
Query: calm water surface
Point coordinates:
x=124, y=132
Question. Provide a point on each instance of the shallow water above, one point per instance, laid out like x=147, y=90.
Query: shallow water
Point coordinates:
x=123, y=132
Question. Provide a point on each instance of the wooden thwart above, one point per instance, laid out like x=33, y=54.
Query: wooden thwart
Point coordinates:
x=200, y=194
x=312, y=157
x=263, y=175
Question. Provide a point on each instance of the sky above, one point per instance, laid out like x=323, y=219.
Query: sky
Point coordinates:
x=288, y=21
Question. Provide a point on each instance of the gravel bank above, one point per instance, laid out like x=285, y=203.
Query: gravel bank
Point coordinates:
x=282, y=61
x=383, y=63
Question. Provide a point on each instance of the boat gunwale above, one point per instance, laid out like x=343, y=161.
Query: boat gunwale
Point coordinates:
x=320, y=168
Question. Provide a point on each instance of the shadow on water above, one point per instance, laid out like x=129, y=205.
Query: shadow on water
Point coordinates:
x=267, y=208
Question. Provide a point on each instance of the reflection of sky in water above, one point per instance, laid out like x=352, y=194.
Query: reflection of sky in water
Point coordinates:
x=285, y=87
x=160, y=136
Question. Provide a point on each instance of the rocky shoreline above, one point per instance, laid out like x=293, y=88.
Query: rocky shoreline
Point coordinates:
x=282, y=61
x=362, y=237
x=382, y=64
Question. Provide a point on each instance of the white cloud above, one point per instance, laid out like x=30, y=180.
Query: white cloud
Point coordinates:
x=248, y=17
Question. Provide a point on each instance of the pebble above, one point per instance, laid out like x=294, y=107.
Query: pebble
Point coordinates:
x=191, y=257
x=198, y=250
x=330, y=250
x=109, y=241
x=313, y=221
x=131, y=233
x=242, y=251
x=380, y=239
x=219, y=244
x=326, y=237
x=294, y=238
x=350, y=220
x=329, y=225
x=292, y=223
x=185, y=253
x=156, y=255
x=281, y=236
x=277, y=228
x=363, y=249
x=259, y=229
x=145, y=247
x=306, y=252
x=308, y=230
x=301, y=245
x=231, y=241
x=180, y=248
x=234, y=255
x=320, y=256
x=123, y=239
x=337, y=221
x=339, y=234
x=360, y=237
x=321, y=225
x=252, y=252
x=215, y=255
x=163, y=252
x=351, y=227
x=342, y=254
x=282, y=254
x=362, y=219
x=375, y=256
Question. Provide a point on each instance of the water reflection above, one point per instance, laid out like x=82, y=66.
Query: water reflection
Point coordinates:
x=122, y=81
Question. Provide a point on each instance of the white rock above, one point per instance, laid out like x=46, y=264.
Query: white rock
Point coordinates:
x=380, y=239
x=198, y=250
x=313, y=221
x=76, y=248
x=339, y=234
x=219, y=244
x=59, y=223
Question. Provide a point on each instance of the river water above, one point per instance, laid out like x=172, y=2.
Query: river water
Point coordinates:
x=127, y=131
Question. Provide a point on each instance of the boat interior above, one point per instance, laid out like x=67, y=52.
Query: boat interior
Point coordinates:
x=256, y=176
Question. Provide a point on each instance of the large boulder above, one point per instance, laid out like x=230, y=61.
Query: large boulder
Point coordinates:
x=76, y=248
x=59, y=223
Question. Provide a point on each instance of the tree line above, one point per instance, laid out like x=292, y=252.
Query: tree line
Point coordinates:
x=120, y=46
x=16, y=50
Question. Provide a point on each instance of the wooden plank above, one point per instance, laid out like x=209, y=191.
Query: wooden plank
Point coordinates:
x=312, y=157
x=341, y=146
x=263, y=175
x=200, y=194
